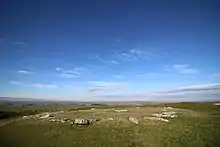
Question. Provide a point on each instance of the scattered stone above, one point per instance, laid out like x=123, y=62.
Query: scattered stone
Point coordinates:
x=45, y=116
x=171, y=114
x=24, y=117
x=93, y=120
x=52, y=120
x=81, y=122
x=66, y=119
x=165, y=108
x=133, y=120
x=123, y=110
x=155, y=118
x=85, y=121
x=164, y=114
x=48, y=116
x=111, y=119
x=157, y=115
x=62, y=121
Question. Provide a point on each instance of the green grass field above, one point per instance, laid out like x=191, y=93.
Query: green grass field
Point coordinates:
x=197, y=126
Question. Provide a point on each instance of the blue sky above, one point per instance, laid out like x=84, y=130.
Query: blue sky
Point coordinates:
x=115, y=50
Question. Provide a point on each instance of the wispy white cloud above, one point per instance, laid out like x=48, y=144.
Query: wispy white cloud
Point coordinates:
x=37, y=85
x=58, y=69
x=185, y=69
x=146, y=74
x=195, y=88
x=140, y=53
x=100, y=59
x=19, y=42
x=189, y=71
x=103, y=86
x=134, y=54
x=81, y=69
x=180, y=66
x=96, y=90
x=206, y=92
x=25, y=72
x=107, y=84
x=16, y=82
x=70, y=73
x=40, y=85
x=114, y=62
x=97, y=57
x=127, y=56
x=215, y=75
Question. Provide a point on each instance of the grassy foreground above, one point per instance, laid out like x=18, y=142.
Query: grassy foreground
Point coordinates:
x=198, y=126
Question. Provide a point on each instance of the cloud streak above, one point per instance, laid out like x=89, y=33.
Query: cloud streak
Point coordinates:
x=39, y=85
x=103, y=86
x=25, y=72
x=127, y=57
x=96, y=90
x=194, y=88
x=107, y=84
x=180, y=66
x=140, y=54
x=114, y=62
x=71, y=73
x=107, y=62
x=184, y=69
x=19, y=42
x=189, y=71
x=134, y=55
x=15, y=82
x=215, y=75
x=146, y=74
x=36, y=85
x=118, y=77
x=206, y=92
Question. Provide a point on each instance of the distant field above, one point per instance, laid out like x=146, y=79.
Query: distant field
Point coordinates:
x=198, y=125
